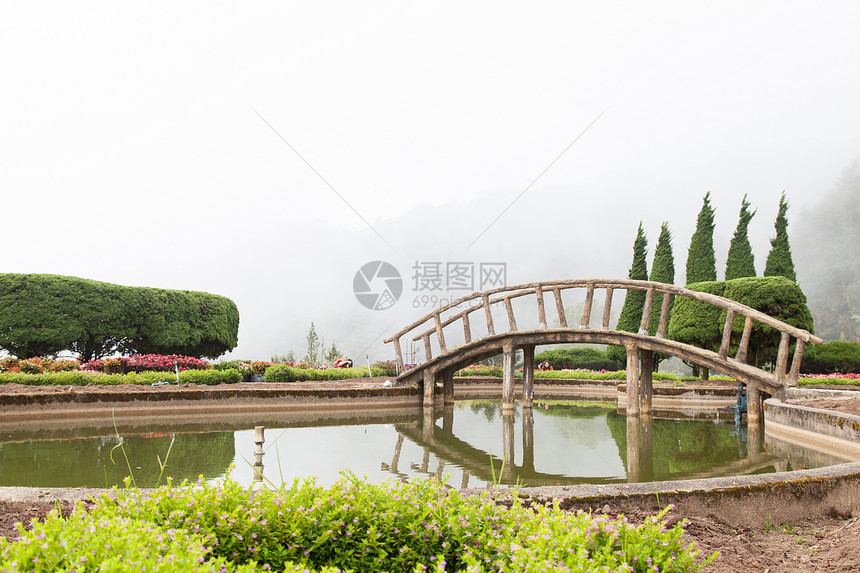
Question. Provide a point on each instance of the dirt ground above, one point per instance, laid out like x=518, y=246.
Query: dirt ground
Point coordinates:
x=813, y=545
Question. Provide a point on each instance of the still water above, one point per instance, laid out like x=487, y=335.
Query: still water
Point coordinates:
x=472, y=444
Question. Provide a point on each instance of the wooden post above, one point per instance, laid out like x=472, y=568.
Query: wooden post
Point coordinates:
x=633, y=452
x=664, y=316
x=607, y=308
x=795, y=363
x=541, y=309
x=429, y=386
x=448, y=419
x=559, y=306
x=442, y=348
x=428, y=429
x=753, y=404
x=511, y=320
x=646, y=311
x=528, y=375
x=781, y=360
x=467, y=328
x=741, y=356
x=448, y=387
x=727, y=334
x=508, y=377
x=401, y=367
x=632, y=379
x=586, y=309
x=507, y=472
x=528, y=440
x=428, y=351
x=488, y=312
x=646, y=391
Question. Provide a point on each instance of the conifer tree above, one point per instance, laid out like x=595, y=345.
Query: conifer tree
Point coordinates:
x=779, y=261
x=701, y=262
x=662, y=271
x=741, y=261
x=634, y=301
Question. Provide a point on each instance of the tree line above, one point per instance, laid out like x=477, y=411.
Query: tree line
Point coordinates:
x=698, y=323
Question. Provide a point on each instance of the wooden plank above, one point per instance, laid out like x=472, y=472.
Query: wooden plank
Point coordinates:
x=741, y=356
x=646, y=311
x=607, y=308
x=467, y=328
x=781, y=360
x=559, y=306
x=399, y=355
x=442, y=348
x=664, y=316
x=489, y=314
x=586, y=309
x=795, y=363
x=727, y=334
x=510, y=309
x=541, y=309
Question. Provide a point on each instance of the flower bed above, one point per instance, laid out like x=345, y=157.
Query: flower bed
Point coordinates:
x=353, y=525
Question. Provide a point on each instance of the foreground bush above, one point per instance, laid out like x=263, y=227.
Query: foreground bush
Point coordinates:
x=361, y=527
x=81, y=378
x=287, y=373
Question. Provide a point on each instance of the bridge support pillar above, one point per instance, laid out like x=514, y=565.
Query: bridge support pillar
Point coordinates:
x=528, y=440
x=508, y=374
x=646, y=385
x=429, y=386
x=632, y=379
x=528, y=376
x=448, y=387
x=507, y=472
x=753, y=404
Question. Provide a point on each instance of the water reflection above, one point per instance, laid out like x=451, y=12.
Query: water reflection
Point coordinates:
x=470, y=444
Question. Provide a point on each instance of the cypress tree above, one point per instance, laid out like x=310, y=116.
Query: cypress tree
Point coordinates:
x=779, y=263
x=741, y=261
x=663, y=271
x=634, y=300
x=701, y=262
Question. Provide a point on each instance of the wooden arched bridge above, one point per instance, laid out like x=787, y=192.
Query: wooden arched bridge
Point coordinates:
x=490, y=337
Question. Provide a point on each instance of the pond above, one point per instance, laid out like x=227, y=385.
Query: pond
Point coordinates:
x=473, y=444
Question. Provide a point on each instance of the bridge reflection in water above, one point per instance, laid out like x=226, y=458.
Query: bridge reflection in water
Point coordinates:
x=646, y=448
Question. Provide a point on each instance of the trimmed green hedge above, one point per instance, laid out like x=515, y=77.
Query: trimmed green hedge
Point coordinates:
x=286, y=373
x=44, y=314
x=836, y=356
x=582, y=358
x=79, y=378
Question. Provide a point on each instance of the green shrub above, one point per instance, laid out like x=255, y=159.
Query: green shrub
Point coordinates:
x=107, y=543
x=580, y=358
x=396, y=526
x=287, y=373
x=45, y=314
x=836, y=356
x=81, y=378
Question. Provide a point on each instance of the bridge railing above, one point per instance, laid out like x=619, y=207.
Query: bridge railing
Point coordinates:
x=432, y=325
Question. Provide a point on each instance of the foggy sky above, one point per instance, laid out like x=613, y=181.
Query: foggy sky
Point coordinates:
x=133, y=151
